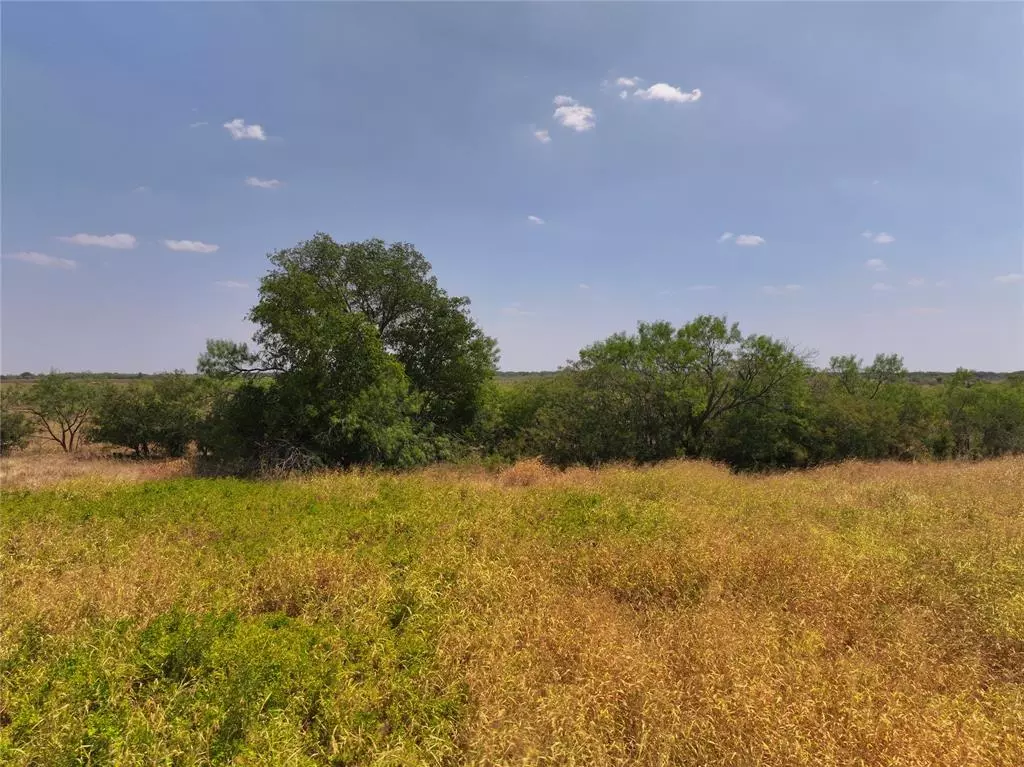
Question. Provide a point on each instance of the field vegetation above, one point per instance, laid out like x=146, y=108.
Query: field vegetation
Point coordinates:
x=676, y=614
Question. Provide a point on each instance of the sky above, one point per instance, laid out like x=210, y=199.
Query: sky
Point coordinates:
x=846, y=176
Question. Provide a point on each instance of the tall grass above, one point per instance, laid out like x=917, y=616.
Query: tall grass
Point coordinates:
x=675, y=615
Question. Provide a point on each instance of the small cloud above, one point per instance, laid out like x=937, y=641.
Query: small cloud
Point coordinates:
x=239, y=130
x=881, y=286
x=876, y=265
x=1007, y=279
x=572, y=114
x=917, y=282
x=725, y=236
x=191, y=246
x=584, y=286
x=781, y=290
x=542, y=136
x=623, y=94
x=666, y=292
x=199, y=124
x=923, y=310
x=876, y=182
x=749, y=240
x=880, y=239
x=516, y=310
x=535, y=219
x=627, y=82
x=270, y=183
x=231, y=284
x=140, y=190
x=116, y=241
x=941, y=283
x=703, y=287
x=41, y=259
x=669, y=93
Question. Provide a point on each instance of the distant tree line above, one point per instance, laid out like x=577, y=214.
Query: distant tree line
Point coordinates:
x=360, y=357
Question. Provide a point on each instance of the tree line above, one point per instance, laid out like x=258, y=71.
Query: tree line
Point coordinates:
x=360, y=357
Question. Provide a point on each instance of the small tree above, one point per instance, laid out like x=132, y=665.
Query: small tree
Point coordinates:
x=63, y=406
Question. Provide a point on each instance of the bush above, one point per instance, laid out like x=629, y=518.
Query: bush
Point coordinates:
x=15, y=429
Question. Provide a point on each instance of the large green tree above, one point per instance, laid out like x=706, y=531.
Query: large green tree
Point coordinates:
x=367, y=353
x=664, y=391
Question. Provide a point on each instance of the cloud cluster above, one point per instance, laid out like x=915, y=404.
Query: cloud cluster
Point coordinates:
x=516, y=310
x=190, y=246
x=41, y=259
x=259, y=183
x=781, y=290
x=1008, y=279
x=881, y=238
x=876, y=265
x=116, y=241
x=571, y=114
x=743, y=240
x=239, y=130
x=668, y=93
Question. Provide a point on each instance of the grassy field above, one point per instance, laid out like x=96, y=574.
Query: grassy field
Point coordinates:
x=676, y=615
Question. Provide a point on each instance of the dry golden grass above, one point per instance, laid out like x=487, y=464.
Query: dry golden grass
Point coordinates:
x=865, y=614
x=43, y=466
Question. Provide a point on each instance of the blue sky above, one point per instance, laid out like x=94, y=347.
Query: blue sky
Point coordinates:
x=866, y=160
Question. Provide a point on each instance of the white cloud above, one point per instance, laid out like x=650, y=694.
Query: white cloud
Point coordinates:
x=239, y=130
x=584, y=286
x=140, y=190
x=725, y=236
x=270, y=183
x=199, y=124
x=876, y=265
x=572, y=114
x=883, y=239
x=749, y=240
x=516, y=310
x=941, y=283
x=231, y=284
x=116, y=241
x=881, y=286
x=781, y=290
x=623, y=94
x=535, y=219
x=627, y=82
x=923, y=310
x=41, y=259
x=703, y=287
x=1006, y=279
x=917, y=282
x=190, y=246
x=669, y=93
x=542, y=136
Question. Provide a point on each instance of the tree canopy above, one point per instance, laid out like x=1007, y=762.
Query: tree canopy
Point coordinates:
x=351, y=329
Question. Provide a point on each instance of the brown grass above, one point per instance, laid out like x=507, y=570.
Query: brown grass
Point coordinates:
x=862, y=614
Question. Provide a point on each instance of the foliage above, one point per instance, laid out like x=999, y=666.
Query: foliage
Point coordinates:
x=62, y=406
x=164, y=413
x=662, y=392
x=370, y=361
x=669, y=615
x=15, y=425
